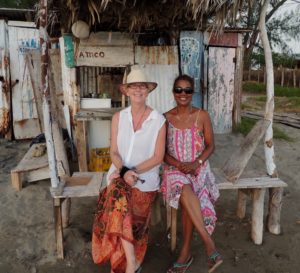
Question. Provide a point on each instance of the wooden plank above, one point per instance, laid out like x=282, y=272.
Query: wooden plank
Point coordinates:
x=290, y=119
x=37, y=175
x=241, y=206
x=235, y=165
x=101, y=55
x=58, y=228
x=29, y=162
x=238, y=78
x=81, y=145
x=246, y=183
x=97, y=182
x=25, y=123
x=16, y=180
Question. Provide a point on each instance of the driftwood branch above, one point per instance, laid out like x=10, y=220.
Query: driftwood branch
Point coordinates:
x=292, y=120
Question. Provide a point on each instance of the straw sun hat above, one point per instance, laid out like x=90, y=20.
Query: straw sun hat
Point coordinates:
x=137, y=76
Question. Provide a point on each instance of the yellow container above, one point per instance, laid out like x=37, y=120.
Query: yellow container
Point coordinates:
x=99, y=160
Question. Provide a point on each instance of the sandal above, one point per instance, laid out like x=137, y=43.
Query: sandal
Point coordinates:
x=180, y=268
x=214, y=261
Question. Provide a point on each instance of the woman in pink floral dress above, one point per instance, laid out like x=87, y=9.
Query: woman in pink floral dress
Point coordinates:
x=188, y=179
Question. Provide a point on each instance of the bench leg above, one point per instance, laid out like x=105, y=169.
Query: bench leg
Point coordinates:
x=257, y=215
x=66, y=206
x=173, y=228
x=16, y=180
x=275, y=203
x=241, y=206
x=58, y=227
x=155, y=211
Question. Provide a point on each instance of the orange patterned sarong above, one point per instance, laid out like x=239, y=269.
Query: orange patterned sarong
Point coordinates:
x=122, y=212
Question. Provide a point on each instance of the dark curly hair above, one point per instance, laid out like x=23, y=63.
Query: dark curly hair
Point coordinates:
x=184, y=77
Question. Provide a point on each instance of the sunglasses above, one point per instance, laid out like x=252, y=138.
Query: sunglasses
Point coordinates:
x=179, y=90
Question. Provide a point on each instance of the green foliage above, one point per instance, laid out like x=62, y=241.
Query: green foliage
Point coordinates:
x=18, y=4
x=247, y=124
x=279, y=91
x=285, y=59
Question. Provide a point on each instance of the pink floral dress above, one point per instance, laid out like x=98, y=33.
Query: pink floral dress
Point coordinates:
x=186, y=145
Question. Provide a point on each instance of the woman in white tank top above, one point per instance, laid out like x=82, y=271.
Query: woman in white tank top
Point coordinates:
x=120, y=230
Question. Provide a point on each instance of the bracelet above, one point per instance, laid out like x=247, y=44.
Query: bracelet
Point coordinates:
x=123, y=170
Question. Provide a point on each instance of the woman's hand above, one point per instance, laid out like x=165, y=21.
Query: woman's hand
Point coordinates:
x=130, y=177
x=113, y=176
x=188, y=167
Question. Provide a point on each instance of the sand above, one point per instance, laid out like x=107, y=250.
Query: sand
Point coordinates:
x=27, y=242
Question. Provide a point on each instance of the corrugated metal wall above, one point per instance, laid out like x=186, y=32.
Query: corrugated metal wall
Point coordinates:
x=160, y=65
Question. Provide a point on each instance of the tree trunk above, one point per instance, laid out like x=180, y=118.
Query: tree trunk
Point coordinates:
x=275, y=194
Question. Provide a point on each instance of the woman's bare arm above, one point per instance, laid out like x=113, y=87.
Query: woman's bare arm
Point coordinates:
x=114, y=152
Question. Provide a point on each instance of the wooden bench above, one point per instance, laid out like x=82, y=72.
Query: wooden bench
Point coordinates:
x=254, y=187
x=228, y=177
x=83, y=184
x=30, y=168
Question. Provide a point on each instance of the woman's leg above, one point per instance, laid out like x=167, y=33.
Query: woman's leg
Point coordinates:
x=190, y=203
x=187, y=228
x=131, y=264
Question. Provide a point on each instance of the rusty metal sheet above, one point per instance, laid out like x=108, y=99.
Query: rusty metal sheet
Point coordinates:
x=221, y=88
x=229, y=39
x=156, y=55
x=25, y=116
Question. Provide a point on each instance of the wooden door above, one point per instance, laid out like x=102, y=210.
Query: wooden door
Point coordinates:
x=25, y=117
x=221, y=68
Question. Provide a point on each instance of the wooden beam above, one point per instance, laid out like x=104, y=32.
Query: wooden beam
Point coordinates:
x=81, y=145
x=257, y=216
x=58, y=227
x=16, y=180
x=235, y=165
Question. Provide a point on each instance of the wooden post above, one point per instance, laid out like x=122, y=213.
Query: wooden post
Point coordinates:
x=294, y=76
x=282, y=75
x=238, y=79
x=241, y=207
x=276, y=193
x=81, y=142
x=257, y=216
x=173, y=228
x=46, y=94
x=58, y=227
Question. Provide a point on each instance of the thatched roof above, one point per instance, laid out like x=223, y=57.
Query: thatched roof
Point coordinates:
x=141, y=15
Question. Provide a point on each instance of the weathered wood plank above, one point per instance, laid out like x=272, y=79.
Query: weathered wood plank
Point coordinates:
x=81, y=144
x=290, y=119
x=25, y=123
x=58, y=228
x=246, y=183
x=235, y=165
x=16, y=180
x=92, y=188
x=29, y=162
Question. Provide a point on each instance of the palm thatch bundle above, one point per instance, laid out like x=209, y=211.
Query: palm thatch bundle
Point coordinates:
x=141, y=15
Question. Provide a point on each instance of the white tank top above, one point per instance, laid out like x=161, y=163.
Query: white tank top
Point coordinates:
x=136, y=147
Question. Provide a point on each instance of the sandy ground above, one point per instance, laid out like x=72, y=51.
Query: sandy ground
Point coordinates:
x=27, y=242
